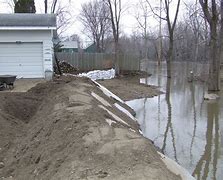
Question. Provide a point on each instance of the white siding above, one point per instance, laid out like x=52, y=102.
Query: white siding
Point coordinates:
x=25, y=36
x=43, y=37
x=47, y=55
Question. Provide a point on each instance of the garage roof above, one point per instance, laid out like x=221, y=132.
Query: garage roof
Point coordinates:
x=27, y=20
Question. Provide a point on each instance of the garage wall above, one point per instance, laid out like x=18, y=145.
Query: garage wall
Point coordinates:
x=24, y=35
x=43, y=36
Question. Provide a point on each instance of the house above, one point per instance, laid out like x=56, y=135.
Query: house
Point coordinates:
x=69, y=46
x=26, y=46
x=91, y=48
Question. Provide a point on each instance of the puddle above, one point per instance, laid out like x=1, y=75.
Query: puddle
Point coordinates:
x=186, y=128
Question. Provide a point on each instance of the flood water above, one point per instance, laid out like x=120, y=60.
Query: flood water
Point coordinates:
x=186, y=128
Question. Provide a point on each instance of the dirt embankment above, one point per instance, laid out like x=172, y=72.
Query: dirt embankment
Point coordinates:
x=68, y=129
x=128, y=87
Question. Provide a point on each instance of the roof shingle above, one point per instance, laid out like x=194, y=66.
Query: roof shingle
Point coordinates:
x=27, y=20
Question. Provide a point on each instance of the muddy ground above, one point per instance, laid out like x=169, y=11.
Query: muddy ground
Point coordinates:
x=68, y=129
x=128, y=87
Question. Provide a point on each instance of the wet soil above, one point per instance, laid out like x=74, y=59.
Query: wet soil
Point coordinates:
x=58, y=130
x=128, y=87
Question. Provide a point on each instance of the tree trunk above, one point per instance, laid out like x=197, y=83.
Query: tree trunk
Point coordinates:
x=214, y=61
x=53, y=8
x=98, y=48
x=211, y=15
x=170, y=56
x=221, y=41
x=102, y=43
x=57, y=64
x=146, y=50
x=160, y=36
x=46, y=6
x=115, y=20
x=116, y=59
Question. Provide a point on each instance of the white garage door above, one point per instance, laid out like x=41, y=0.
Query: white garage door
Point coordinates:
x=21, y=59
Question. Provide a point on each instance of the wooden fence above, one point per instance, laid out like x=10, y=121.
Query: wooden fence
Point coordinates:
x=93, y=61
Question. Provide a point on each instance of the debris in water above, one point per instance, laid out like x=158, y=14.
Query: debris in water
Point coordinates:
x=211, y=96
x=191, y=77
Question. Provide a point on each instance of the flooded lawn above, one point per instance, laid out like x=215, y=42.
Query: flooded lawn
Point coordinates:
x=184, y=126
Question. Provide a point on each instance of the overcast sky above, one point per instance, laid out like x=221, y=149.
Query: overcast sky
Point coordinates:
x=128, y=20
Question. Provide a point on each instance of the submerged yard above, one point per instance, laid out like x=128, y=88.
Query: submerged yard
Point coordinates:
x=181, y=123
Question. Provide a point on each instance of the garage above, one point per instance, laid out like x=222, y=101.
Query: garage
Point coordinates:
x=25, y=60
x=26, y=45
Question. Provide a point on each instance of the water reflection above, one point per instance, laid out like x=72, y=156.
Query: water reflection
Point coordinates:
x=210, y=155
x=195, y=119
x=186, y=128
x=169, y=126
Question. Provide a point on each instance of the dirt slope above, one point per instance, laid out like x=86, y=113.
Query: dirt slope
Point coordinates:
x=60, y=130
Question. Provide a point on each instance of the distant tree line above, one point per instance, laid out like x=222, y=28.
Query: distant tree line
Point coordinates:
x=198, y=37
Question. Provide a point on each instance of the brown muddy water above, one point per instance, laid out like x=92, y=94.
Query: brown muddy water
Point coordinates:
x=186, y=128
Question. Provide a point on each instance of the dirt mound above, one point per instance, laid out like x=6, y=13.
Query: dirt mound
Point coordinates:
x=73, y=132
x=66, y=67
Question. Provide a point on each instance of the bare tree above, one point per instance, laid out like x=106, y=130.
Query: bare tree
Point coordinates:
x=64, y=17
x=171, y=26
x=12, y=3
x=221, y=36
x=211, y=15
x=63, y=22
x=196, y=24
x=46, y=6
x=142, y=17
x=95, y=19
x=52, y=4
x=115, y=9
x=160, y=36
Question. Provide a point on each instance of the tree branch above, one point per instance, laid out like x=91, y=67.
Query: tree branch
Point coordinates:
x=155, y=12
